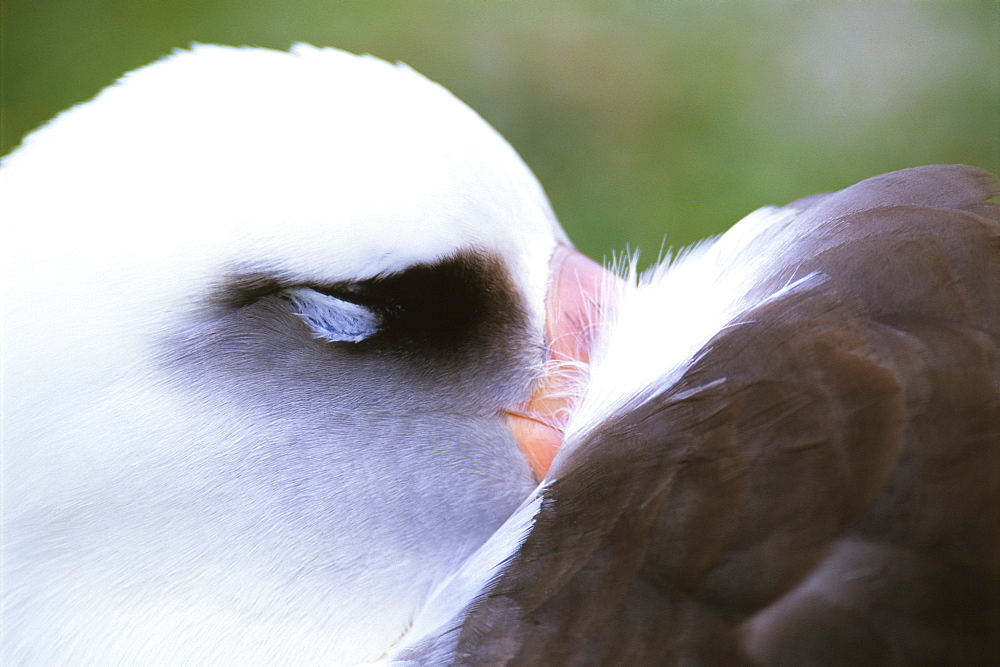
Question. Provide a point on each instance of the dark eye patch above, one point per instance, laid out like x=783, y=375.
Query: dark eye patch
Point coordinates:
x=443, y=306
x=245, y=289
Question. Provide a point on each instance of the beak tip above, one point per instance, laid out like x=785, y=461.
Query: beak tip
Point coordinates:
x=537, y=440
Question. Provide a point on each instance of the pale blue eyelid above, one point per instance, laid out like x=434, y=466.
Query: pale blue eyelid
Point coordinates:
x=332, y=319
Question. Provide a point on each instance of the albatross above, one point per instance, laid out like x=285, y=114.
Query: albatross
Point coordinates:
x=299, y=369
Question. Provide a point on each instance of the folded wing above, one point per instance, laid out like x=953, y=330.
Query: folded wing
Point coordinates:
x=821, y=484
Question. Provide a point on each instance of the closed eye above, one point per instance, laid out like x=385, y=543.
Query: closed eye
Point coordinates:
x=333, y=319
x=465, y=302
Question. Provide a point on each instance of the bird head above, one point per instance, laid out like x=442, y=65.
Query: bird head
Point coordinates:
x=276, y=324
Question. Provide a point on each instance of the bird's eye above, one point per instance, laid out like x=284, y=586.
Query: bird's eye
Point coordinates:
x=333, y=319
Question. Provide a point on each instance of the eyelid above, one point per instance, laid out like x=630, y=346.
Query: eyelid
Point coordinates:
x=333, y=319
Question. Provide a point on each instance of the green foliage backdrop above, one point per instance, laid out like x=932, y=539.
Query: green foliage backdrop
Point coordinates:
x=643, y=120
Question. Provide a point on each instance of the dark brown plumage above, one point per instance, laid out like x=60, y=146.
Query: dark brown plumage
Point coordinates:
x=821, y=487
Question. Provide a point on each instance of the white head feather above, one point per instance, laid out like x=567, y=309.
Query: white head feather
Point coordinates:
x=122, y=215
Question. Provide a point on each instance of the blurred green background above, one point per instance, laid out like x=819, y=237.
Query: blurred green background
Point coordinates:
x=643, y=120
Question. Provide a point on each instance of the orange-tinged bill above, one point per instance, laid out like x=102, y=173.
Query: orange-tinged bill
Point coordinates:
x=573, y=307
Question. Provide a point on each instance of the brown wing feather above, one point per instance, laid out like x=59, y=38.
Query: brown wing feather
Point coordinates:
x=822, y=486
